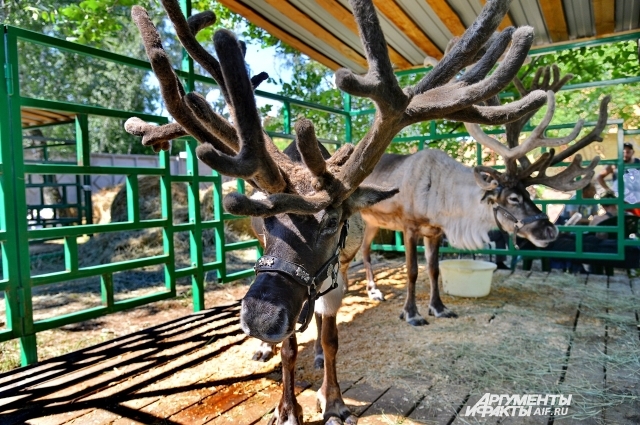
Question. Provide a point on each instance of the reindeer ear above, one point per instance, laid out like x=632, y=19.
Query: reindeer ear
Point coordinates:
x=486, y=177
x=365, y=196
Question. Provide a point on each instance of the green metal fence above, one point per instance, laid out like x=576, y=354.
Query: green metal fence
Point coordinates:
x=18, y=281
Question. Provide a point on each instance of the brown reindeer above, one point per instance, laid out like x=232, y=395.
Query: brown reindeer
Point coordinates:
x=305, y=205
x=440, y=196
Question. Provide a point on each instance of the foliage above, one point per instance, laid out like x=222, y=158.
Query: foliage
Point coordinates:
x=593, y=64
x=106, y=24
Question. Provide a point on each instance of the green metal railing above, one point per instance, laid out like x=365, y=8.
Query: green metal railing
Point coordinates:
x=18, y=281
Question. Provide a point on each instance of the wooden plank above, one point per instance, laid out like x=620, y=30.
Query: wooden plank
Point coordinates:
x=257, y=408
x=400, y=19
x=271, y=28
x=554, y=18
x=307, y=399
x=585, y=368
x=293, y=13
x=209, y=408
x=604, y=12
x=506, y=21
x=128, y=368
x=440, y=405
x=361, y=396
x=623, y=346
x=394, y=405
x=345, y=17
x=448, y=16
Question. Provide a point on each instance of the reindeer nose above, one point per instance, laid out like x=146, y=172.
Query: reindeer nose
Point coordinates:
x=264, y=320
x=271, y=306
x=551, y=232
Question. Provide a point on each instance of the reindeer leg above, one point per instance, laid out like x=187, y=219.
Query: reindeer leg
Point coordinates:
x=288, y=412
x=318, y=362
x=410, y=311
x=373, y=291
x=330, y=401
x=265, y=352
x=436, y=306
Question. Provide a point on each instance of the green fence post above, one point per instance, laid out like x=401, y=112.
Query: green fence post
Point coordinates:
x=83, y=157
x=16, y=212
x=348, y=130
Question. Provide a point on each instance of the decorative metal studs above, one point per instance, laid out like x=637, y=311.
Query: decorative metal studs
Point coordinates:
x=266, y=262
x=302, y=274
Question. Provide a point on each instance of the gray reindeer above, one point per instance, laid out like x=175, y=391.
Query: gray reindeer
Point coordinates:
x=305, y=204
x=440, y=196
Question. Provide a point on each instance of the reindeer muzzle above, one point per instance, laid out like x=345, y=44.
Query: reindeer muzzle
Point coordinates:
x=517, y=224
x=300, y=275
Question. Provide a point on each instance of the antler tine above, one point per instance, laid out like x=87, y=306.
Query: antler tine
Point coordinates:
x=465, y=50
x=535, y=140
x=170, y=86
x=308, y=147
x=154, y=134
x=186, y=32
x=593, y=136
x=449, y=100
x=432, y=97
x=253, y=160
x=380, y=85
x=565, y=180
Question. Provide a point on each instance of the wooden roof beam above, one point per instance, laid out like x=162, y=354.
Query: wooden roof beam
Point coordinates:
x=554, y=18
x=604, y=12
x=318, y=31
x=345, y=17
x=399, y=18
x=255, y=18
x=448, y=16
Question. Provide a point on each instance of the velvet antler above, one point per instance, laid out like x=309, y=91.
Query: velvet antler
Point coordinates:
x=516, y=151
x=243, y=149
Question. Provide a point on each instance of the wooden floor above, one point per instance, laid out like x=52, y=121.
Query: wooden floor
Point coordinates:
x=158, y=376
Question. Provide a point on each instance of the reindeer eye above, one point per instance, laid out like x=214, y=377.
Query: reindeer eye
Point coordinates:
x=514, y=199
x=331, y=224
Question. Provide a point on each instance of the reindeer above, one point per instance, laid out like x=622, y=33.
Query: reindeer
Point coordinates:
x=440, y=196
x=305, y=204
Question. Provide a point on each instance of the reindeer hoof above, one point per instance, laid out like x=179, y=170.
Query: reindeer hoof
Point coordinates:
x=318, y=363
x=264, y=353
x=376, y=295
x=442, y=312
x=416, y=320
x=351, y=420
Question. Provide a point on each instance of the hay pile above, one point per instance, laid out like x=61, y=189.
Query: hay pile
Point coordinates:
x=113, y=247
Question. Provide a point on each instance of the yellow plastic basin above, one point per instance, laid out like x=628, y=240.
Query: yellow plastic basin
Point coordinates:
x=466, y=278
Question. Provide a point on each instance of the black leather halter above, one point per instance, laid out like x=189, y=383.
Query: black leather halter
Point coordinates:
x=299, y=274
x=518, y=224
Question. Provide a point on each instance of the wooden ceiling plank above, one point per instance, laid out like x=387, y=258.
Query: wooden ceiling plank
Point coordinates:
x=604, y=12
x=448, y=16
x=345, y=17
x=255, y=18
x=317, y=30
x=506, y=21
x=554, y=18
x=54, y=115
x=395, y=14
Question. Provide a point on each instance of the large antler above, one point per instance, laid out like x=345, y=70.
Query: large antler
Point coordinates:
x=243, y=149
x=515, y=151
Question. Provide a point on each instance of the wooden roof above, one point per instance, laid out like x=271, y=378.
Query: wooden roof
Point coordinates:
x=32, y=117
x=325, y=30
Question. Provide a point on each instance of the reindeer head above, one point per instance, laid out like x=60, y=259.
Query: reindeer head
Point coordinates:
x=513, y=208
x=305, y=204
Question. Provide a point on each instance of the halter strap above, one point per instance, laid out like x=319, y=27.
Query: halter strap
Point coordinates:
x=518, y=224
x=269, y=263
